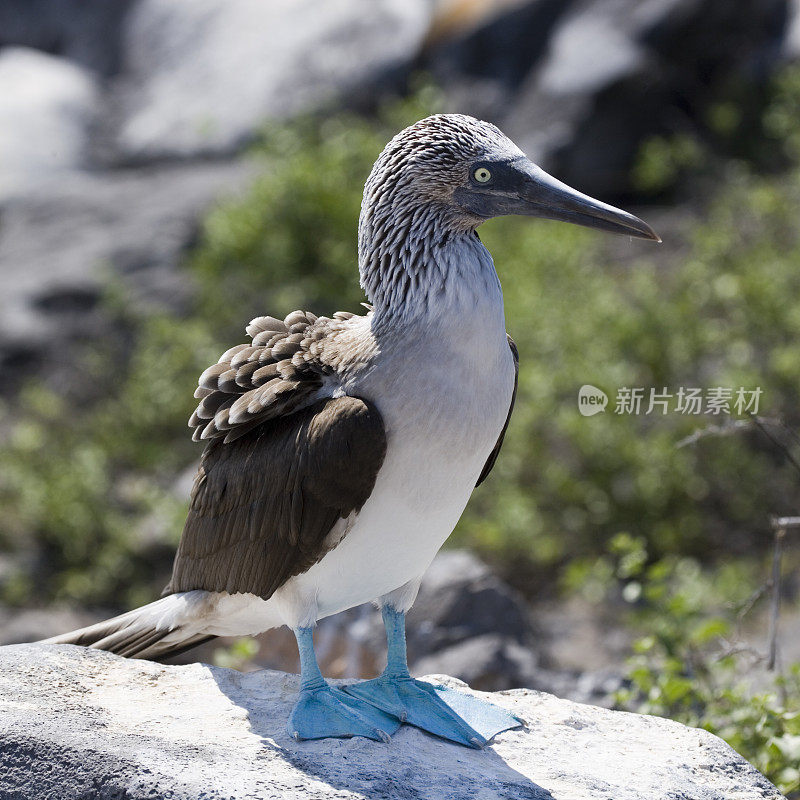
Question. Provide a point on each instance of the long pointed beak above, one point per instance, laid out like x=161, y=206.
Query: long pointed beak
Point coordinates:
x=542, y=195
x=518, y=186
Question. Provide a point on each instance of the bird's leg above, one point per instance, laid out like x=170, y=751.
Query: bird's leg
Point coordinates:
x=322, y=711
x=443, y=712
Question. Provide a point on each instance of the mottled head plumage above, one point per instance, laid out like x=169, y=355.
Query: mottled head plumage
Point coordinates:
x=408, y=205
x=428, y=160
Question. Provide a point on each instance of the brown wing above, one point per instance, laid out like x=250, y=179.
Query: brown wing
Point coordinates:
x=263, y=505
x=487, y=467
x=280, y=470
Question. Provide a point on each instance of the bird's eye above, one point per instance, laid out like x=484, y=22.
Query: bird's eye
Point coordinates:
x=482, y=175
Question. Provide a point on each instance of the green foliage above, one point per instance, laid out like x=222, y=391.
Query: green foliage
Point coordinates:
x=780, y=117
x=663, y=160
x=237, y=655
x=752, y=123
x=291, y=242
x=81, y=499
x=722, y=309
x=689, y=665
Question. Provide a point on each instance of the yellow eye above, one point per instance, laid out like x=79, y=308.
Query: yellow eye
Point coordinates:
x=482, y=175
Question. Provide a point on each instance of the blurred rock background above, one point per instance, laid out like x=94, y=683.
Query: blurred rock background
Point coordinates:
x=170, y=168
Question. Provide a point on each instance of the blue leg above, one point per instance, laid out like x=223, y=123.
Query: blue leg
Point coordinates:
x=323, y=711
x=441, y=711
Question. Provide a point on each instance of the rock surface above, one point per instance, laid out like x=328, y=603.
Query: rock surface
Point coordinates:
x=81, y=723
x=791, y=44
x=202, y=76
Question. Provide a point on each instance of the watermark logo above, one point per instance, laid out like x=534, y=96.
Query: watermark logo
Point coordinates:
x=691, y=400
x=591, y=400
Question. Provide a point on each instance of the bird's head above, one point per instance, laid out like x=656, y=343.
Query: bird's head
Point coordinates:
x=461, y=171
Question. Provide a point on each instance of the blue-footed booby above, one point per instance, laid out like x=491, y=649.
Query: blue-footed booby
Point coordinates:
x=340, y=452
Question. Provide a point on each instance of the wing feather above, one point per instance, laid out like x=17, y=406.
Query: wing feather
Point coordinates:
x=487, y=467
x=277, y=373
x=281, y=469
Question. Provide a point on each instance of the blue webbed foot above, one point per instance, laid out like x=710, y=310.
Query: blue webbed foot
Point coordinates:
x=443, y=712
x=324, y=711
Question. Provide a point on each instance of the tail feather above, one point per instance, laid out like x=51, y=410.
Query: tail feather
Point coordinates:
x=155, y=631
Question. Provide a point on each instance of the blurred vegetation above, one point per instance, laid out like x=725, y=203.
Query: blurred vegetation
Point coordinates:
x=92, y=509
x=692, y=665
x=752, y=122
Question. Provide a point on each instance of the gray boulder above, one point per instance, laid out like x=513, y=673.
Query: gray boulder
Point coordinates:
x=461, y=598
x=791, y=44
x=47, y=107
x=487, y=662
x=201, y=77
x=469, y=623
x=79, y=723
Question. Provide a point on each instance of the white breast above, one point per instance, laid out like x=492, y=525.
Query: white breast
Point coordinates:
x=444, y=389
x=443, y=383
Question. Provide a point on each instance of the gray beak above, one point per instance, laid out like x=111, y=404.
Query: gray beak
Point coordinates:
x=520, y=187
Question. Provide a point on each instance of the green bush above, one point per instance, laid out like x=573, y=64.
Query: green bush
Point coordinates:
x=692, y=665
x=87, y=504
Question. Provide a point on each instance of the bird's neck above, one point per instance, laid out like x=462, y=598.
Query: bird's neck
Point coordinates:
x=423, y=268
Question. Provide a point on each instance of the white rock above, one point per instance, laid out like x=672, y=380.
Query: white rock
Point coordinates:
x=47, y=105
x=588, y=53
x=81, y=723
x=203, y=75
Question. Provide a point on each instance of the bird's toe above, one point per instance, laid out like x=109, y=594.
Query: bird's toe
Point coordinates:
x=327, y=712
